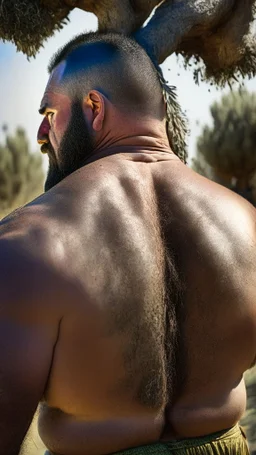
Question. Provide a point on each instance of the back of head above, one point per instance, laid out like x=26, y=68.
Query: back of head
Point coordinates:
x=115, y=65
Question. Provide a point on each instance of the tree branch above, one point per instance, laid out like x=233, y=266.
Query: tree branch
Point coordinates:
x=175, y=20
x=123, y=16
x=217, y=31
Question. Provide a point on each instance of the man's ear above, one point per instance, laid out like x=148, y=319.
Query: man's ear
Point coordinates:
x=95, y=102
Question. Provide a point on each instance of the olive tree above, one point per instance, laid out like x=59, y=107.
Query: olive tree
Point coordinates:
x=216, y=34
x=228, y=146
x=21, y=172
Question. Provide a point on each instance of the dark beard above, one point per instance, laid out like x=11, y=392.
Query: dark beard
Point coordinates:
x=75, y=148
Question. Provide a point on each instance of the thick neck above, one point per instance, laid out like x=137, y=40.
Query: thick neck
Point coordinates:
x=132, y=145
x=131, y=135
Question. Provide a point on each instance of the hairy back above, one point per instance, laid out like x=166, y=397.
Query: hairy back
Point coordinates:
x=210, y=234
x=116, y=255
x=159, y=323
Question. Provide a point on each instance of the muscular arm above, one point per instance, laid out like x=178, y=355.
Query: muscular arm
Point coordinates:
x=27, y=339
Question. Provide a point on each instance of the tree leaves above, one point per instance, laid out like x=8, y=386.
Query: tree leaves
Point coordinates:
x=21, y=173
x=27, y=23
x=229, y=145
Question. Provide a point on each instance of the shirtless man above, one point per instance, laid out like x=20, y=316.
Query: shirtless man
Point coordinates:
x=128, y=297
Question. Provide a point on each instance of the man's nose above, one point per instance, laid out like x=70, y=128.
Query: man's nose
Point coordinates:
x=43, y=132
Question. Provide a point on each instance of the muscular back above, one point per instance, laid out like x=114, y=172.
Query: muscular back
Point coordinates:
x=157, y=312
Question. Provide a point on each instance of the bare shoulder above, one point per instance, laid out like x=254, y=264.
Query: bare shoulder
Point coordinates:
x=218, y=228
x=30, y=322
x=22, y=221
x=238, y=213
x=28, y=261
x=206, y=198
x=35, y=227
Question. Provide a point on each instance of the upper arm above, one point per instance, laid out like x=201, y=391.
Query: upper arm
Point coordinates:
x=28, y=335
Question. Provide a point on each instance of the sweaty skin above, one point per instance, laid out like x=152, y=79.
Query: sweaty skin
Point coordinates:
x=91, y=249
x=97, y=276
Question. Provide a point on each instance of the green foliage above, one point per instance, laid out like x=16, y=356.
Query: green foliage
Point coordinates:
x=229, y=145
x=200, y=166
x=220, y=52
x=28, y=23
x=249, y=419
x=21, y=172
x=231, y=74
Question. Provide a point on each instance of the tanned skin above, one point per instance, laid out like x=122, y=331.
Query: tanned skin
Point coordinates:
x=85, y=290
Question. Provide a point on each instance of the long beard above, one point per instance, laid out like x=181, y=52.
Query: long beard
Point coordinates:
x=75, y=148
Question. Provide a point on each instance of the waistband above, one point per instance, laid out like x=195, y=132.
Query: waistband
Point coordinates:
x=231, y=434
x=230, y=441
x=226, y=442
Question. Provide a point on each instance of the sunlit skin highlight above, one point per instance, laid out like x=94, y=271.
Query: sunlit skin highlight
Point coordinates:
x=128, y=287
x=56, y=108
x=109, y=127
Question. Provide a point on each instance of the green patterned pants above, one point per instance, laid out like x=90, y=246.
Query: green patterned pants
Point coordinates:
x=228, y=442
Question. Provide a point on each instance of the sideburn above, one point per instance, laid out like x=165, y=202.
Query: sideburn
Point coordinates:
x=77, y=144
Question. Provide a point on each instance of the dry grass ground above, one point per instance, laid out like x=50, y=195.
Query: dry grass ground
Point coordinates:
x=33, y=444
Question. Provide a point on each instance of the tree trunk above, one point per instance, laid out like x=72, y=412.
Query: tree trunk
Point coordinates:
x=215, y=30
x=176, y=21
x=123, y=16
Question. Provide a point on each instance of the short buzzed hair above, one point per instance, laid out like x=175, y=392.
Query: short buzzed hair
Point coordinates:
x=120, y=68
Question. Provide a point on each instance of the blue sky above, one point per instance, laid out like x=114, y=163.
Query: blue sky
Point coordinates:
x=22, y=83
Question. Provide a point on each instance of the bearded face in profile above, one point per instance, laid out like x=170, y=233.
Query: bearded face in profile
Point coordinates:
x=76, y=147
